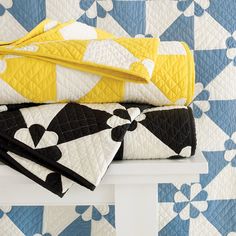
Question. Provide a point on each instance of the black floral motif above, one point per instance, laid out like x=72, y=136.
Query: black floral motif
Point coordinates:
x=120, y=124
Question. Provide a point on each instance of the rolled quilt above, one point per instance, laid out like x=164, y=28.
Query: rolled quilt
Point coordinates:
x=58, y=144
x=63, y=62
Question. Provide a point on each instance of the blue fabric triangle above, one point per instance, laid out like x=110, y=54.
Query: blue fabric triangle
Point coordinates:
x=110, y=217
x=194, y=212
x=130, y=15
x=28, y=13
x=175, y=227
x=77, y=228
x=224, y=115
x=224, y=12
x=216, y=163
x=180, y=30
x=87, y=20
x=27, y=218
x=202, y=196
x=221, y=214
x=209, y=63
x=186, y=189
x=96, y=215
x=166, y=192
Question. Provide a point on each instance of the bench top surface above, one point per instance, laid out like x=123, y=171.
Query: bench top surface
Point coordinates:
x=131, y=172
x=196, y=164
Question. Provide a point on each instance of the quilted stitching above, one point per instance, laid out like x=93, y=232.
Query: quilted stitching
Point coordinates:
x=79, y=142
x=156, y=17
x=136, y=57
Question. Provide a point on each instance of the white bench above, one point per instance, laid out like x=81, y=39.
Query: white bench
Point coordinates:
x=130, y=185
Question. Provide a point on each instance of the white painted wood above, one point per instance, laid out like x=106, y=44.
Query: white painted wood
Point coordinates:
x=136, y=210
x=143, y=172
x=130, y=185
x=193, y=165
x=146, y=171
x=34, y=194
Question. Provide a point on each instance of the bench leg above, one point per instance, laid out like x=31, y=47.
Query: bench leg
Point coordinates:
x=136, y=210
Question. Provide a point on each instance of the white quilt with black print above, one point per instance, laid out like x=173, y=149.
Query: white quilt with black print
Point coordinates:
x=58, y=144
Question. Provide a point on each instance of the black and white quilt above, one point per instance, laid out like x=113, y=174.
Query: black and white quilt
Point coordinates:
x=58, y=144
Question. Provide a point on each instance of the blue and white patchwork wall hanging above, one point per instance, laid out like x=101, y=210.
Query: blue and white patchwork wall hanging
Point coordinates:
x=209, y=27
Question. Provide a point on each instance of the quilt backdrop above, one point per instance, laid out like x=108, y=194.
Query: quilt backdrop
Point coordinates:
x=209, y=27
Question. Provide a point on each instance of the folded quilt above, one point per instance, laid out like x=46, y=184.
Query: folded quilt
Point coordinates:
x=58, y=144
x=63, y=62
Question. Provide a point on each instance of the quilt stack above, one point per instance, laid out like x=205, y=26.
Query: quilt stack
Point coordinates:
x=120, y=75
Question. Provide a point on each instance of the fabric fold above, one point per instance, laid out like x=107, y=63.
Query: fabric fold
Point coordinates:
x=76, y=98
x=88, y=65
x=58, y=144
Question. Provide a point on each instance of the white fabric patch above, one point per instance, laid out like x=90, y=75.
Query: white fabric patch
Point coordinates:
x=206, y=128
x=87, y=215
x=41, y=115
x=88, y=162
x=144, y=93
x=171, y=48
x=110, y=53
x=74, y=84
x=221, y=181
x=11, y=29
x=190, y=10
x=166, y=213
x=3, y=108
x=141, y=117
x=115, y=121
x=110, y=25
x=3, y=66
x=133, y=112
x=49, y=138
x=102, y=227
x=23, y=135
x=39, y=170
x=92, y=11
x=57, y=218
x=30, y=48
x=36, y=169
x=203, y=105
x=7, y=227
x=186, y=152
x=50, y=25
x=6, y=3
x=63, y=10
x=10, y=95
x=107, y=5
x=165, y=108
x=149, y=65
x=180, y=101
x=231, y=53
x=201, y=225
x=79, y=31
x=140, y=149
x=156, y=24
x=208, y=33
x=229, y=155
x=11, y=56
x=233, y=136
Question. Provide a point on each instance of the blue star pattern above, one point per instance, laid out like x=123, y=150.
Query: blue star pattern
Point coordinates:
x=209, y=27
x=190, y=200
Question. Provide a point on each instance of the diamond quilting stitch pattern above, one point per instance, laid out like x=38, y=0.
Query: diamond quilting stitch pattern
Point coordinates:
x=190, y=200
x=129, y=17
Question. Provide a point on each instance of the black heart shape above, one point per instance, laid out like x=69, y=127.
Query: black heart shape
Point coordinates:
x=36, y=132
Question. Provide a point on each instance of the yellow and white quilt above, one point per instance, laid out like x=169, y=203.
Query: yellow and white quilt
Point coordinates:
x=61, y=62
